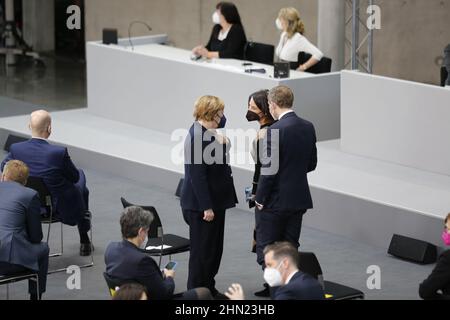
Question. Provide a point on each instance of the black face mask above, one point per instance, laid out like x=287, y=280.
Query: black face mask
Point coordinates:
x=252, y=116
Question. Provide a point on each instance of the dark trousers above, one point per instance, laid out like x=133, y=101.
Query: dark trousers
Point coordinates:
x=84, y=224
x=206, y=248
x=274, y=226
x=12, y=269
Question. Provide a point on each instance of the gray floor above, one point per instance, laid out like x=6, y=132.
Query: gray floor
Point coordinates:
x=342, y=260
x=60, y=85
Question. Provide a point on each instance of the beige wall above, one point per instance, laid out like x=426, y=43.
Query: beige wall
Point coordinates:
x=413, y=34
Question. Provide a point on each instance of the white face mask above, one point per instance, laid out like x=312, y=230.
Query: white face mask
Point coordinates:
x=216, y=18
x=273, y=277
x=278, y=24
x=144, y=244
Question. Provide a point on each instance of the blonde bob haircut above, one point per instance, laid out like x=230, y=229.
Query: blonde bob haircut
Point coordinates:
x=207, y=108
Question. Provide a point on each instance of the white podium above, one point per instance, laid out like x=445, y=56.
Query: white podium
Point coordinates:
x=155, y=87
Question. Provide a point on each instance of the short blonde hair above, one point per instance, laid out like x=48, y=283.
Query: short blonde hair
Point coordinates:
x=207, y=108
x=16, y=170
x=292, y=17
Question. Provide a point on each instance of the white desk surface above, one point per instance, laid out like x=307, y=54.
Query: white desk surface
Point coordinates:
x=184, y=56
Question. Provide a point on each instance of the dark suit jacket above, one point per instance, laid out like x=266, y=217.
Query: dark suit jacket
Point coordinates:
x=125, y=262
x=301, y=287
x=439, y=279
x=287, y=187
x=53, y=164
x=20, y=226
x=206, y=185
x=232, y=46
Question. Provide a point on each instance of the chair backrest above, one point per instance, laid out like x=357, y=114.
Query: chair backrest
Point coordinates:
x=156, y=228
x=39, y=186
x=309, y=264
x=323, y=66
x=444, y=76
x=112, y=283
x=259, y=52
x=12, y=139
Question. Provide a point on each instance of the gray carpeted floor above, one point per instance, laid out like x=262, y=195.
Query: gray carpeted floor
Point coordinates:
x=342, y=260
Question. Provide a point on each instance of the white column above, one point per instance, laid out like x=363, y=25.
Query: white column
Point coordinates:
x=331, y=31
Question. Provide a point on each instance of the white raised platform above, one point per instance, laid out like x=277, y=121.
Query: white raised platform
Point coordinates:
x=156, y=86
x=364, y=199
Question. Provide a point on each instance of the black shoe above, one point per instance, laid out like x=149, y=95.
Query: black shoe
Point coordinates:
x=264, y=293
x=86, y=249
x=220, y=296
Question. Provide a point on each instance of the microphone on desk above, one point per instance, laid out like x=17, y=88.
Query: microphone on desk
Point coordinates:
x=129, y=30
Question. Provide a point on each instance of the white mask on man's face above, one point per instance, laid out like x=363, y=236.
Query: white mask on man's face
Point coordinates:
x=273, y=277
x=216, y=18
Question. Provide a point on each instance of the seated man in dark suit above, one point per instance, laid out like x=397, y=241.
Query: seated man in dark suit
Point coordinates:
x=437, y=285
x=21, y=248
x=126, y=262
x=282, y=274
x=65, y=182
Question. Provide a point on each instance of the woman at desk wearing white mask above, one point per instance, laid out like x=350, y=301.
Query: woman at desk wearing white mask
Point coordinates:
x=292, y=40
x=228, y=38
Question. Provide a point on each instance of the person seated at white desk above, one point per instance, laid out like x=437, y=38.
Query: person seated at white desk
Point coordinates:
x=228, y=38
x=292, y=40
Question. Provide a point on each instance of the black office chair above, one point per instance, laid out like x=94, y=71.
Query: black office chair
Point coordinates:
x=12, y=139
x=112, y=283
x=323, y=66
x=48, y=217
x=309, y=264
x=259, y=52
x=179, y=190
x=27, y=275
x=157, y=238
x=444, y=76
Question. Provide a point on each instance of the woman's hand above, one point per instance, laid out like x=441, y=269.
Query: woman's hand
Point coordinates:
x=208, y=215
x=302, y=68
x=203, y=52
x=196, y=50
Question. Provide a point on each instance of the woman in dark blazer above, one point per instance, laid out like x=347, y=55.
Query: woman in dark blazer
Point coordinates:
x=208, y=190
x=258, y=110
x=228, y=38
x=437, y=285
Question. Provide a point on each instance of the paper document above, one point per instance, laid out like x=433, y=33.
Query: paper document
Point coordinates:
x=164, y=246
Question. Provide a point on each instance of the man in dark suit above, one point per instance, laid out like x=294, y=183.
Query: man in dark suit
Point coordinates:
x=21, y=248
x=65, y=182
x=126, y=262
x=283, y=195
x=282, y=274
x=437, y=285
x=208, y=191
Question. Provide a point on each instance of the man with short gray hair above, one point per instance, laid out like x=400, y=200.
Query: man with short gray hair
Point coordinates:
x=283, y=195
x=127, y=261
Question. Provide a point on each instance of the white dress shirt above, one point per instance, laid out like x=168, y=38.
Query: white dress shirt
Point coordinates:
x=290, y=277
x=288, y=49
x=284, y=113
